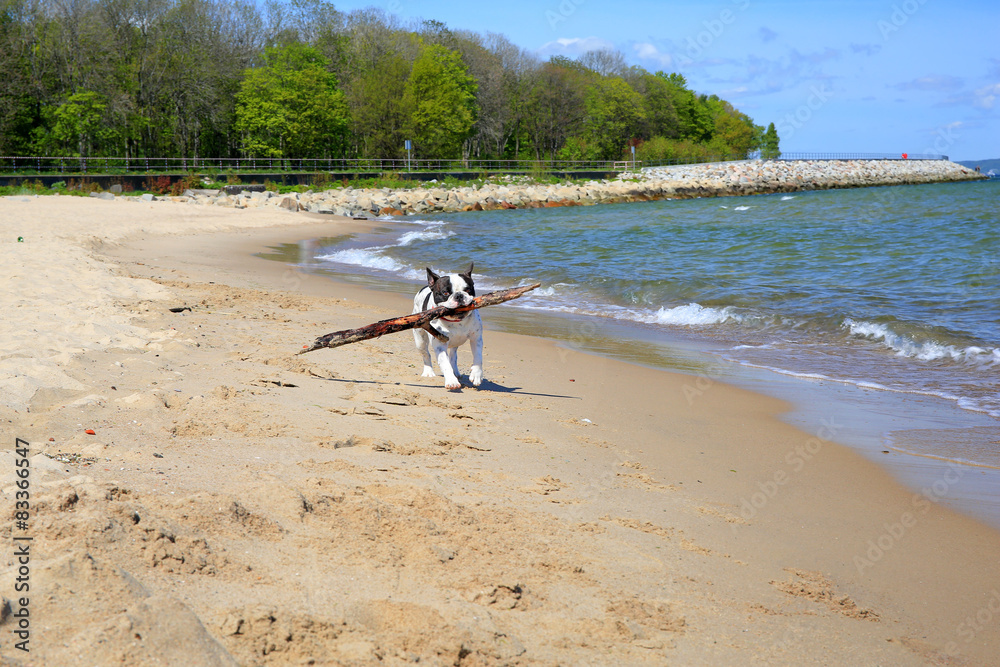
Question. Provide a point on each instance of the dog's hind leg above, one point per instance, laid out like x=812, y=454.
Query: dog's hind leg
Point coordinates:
x=422, y=340
x=447, y=358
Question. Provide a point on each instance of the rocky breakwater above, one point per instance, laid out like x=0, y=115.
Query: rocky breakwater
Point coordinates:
x=764, y=176
x=504, y=193
x=702, y=180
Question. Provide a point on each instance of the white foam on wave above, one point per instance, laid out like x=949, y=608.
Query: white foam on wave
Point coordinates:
x=939, y=457
x=370, y=258
x=550, y=290
x=423, y=235
x=692, y=314
x=418, y=221
x=928, y=350
x=964, y=402
x=742, y=208
x=374, y=257
x=754, y=346
x=787, y=197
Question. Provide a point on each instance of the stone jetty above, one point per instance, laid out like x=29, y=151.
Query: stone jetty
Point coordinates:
x=747, y=177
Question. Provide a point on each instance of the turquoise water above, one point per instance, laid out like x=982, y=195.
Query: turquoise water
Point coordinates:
x=892, y=289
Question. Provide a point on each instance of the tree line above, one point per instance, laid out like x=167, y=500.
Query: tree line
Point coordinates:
x=300, y=79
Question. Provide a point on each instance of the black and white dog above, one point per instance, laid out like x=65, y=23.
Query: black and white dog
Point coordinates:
x=454, y=290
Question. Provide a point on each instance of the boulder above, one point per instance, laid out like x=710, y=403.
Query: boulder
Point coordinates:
x=236, y=189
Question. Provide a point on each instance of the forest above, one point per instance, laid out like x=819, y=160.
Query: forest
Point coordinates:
x=300, y=79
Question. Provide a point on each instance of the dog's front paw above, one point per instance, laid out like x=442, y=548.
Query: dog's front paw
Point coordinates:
x=452, y=384
x=476, y=376
x=428, y=372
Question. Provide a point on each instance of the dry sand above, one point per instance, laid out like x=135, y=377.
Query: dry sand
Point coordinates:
x=238, y=504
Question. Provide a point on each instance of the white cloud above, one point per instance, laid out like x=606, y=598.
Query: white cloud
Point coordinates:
x=933, y=83
x=734, y=92
x=986, y=97
x=573, y=46
x=865, y=49
x=649, y=52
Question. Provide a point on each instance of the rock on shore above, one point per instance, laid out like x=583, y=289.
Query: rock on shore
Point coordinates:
x=701, y=180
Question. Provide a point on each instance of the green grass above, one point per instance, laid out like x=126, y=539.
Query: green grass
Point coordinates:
x=390, y=180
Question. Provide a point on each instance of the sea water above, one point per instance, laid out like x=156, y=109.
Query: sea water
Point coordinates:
x=893, y=291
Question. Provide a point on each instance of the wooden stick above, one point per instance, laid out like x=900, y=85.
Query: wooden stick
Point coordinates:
x=422, y=320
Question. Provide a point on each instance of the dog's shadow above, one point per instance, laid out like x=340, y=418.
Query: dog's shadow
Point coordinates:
x=486, y=385
x=489, y=385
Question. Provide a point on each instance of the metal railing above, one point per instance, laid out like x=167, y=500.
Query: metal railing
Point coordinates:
x=860, y=156
x=119, y=165
x=72, y=166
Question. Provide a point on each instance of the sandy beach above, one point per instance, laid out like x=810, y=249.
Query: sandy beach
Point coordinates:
x=200, y=495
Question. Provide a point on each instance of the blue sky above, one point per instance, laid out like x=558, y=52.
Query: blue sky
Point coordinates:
x=915, y=76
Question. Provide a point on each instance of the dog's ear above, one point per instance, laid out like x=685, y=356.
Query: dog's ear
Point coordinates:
x=431, y=276
x=468, y=272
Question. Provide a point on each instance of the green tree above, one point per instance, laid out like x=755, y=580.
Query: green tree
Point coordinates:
x=615, y=114
x=661, y=116
x=441, y=97
x=164, y=78
x=769, y=144
x=556, y=105
x=378, y=112
x=16, y=85
x=291, y=107
x=694, y=119
x=73, y=127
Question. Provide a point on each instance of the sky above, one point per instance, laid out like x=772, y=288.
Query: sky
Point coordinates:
x=873, y=76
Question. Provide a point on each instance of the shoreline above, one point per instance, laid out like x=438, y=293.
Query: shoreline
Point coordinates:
x=579, y=505
x=878, y=421
x=746, y=177
x=870, y=415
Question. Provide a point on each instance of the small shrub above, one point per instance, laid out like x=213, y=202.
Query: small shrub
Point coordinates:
x=321, y=181
x=159, y=185
x=189, y=181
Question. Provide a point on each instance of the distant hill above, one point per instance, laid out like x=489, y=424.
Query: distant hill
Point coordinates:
x=984, y=165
